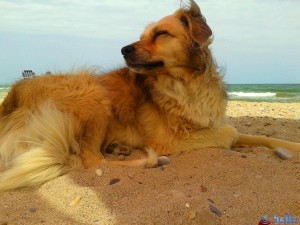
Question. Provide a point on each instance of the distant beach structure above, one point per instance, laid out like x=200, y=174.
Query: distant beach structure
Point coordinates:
x=26, y=74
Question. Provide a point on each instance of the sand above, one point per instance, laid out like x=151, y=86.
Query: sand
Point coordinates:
x=209, y=186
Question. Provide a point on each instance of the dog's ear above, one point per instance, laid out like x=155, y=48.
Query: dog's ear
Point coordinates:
x=195, y=23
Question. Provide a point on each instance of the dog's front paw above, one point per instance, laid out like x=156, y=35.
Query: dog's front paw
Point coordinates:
x=118, y=149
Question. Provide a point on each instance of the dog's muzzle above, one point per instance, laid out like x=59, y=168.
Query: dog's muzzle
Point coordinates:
x=139, y=61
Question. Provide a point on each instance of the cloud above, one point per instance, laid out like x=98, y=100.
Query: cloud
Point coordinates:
x=247, y=34
x=230, y=19
x=93, y=18
x=249, y=20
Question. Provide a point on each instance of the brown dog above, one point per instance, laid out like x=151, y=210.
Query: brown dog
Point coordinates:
x=170, y=98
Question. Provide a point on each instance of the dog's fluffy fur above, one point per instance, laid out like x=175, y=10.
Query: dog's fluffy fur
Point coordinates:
x=170, y=98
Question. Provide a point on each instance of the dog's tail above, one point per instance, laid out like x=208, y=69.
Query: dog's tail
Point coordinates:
x=253, y=140
x=43, y=148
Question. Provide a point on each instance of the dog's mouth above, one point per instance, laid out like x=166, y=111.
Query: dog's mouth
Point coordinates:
x=146, y=66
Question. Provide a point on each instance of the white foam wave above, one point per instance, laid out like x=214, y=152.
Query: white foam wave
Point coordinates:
x=252, y=94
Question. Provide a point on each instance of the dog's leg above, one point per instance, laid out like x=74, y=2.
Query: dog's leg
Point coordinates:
x=150, y=161
x=90, y=152
x=117, y=149
x=90, y=158
x=253, y=140
x=223, y=137
x=91, y=141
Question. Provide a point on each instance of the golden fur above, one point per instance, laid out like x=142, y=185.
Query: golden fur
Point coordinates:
x=170, y=98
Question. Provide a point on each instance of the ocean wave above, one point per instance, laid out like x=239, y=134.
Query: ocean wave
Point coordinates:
x=4, y=88
x=252, y=94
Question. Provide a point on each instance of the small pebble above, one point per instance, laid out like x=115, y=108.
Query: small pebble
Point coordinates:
x=114, y=181
x=32, y=210
x=75, y=201
x=178, y=194
x=187, y=205
x=283, y=153
x=203, y=188
x=192, y=215
x=163, y=160
x=121, y=157
x=99, y=172
x=210, y=200
x=215, y=210
x=249, y=124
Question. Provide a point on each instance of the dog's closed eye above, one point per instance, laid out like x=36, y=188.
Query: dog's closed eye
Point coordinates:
x=161, y=33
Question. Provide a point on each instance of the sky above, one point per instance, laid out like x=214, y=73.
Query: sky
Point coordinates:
x=254, y=41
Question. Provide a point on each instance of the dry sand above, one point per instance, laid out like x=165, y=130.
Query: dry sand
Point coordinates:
x=239, y=186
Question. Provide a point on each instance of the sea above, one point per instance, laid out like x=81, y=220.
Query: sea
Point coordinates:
x=264, y=92
x=244, y=92
x=3, y=91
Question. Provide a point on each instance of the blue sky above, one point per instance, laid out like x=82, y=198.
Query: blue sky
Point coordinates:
x=255, y=41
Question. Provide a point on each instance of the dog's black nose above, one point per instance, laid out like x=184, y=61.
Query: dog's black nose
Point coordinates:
x=127, y=50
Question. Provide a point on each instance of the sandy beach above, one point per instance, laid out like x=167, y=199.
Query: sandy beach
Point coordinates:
x=206, y=187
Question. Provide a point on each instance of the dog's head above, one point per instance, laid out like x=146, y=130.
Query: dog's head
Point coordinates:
x=176, y=41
